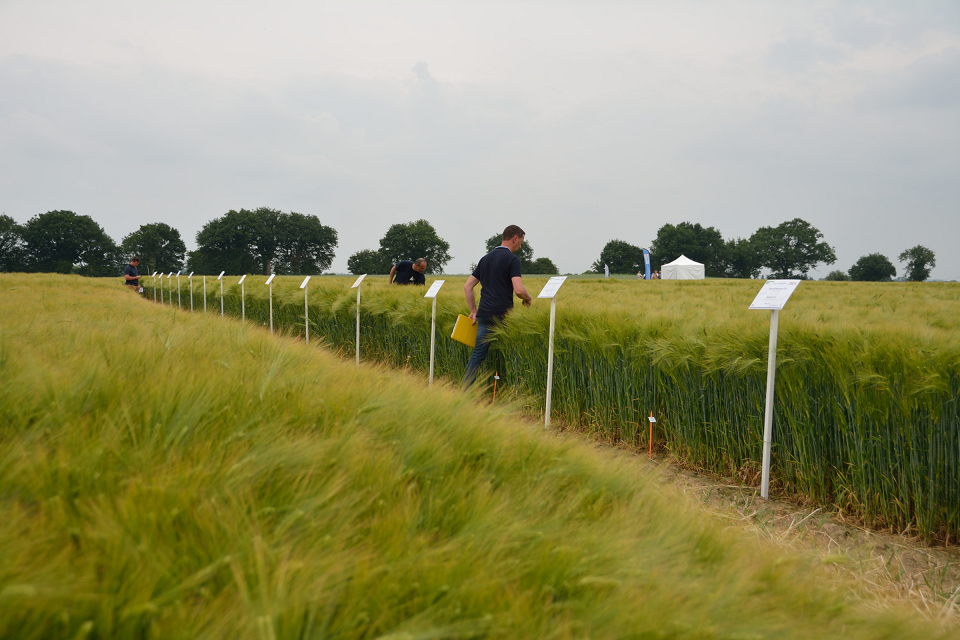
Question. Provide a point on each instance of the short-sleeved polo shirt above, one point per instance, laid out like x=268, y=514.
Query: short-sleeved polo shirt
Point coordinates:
x=496, y=271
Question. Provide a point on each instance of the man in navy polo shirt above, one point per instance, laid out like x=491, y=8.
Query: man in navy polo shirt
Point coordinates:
x=498, y=274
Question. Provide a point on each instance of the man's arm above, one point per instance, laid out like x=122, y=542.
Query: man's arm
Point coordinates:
x=521, y=291
x=471, y=299
x=393, y=270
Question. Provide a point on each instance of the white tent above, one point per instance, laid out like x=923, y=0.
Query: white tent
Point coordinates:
x=683, y=268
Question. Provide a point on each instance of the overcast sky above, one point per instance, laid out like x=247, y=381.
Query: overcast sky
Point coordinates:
x=581, y=122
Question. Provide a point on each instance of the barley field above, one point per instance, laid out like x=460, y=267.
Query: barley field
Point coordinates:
x=867, y=413
x=167, y=475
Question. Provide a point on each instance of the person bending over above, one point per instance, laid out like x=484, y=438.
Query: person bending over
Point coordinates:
x=499, y=277
x=407, y=272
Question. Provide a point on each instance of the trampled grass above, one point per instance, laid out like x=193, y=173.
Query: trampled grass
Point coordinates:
x=867, y=418
x=173, y=476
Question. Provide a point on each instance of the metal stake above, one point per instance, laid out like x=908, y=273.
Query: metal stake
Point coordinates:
x=553, y=317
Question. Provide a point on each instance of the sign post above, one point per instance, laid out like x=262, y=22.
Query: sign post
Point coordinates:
x=204, y=294
x=550, y=291
x=356, y=285
x=220, y=278
x=269, y=283
x=170, y=288
x=243, y=300
x=179, y=305
x=190, y=280
x=155, y=287
x=432, y=293
x=772, y=296
x=306, y=311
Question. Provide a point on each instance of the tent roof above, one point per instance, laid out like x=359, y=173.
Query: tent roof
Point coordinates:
x=682, y=261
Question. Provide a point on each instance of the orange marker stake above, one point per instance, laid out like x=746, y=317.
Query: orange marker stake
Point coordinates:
x=652, y=420
x=496, y=376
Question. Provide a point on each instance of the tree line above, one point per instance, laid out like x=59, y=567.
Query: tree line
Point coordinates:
x=266, y=240
x=789, y=250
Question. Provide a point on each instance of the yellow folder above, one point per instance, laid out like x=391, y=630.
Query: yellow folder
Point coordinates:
x=464, y=331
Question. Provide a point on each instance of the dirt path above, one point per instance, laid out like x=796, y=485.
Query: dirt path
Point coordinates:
x=887, y=565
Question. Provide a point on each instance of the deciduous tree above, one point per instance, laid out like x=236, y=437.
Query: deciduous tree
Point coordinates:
x=525, y=253
x=920, y=260
x=791, y=248
x=11, y=244
x=158, y=245
x=306, y=246
x=414, y=240
x=368, y=261
x=64, y=242
x=874, y=267
x=703, y=244
x=620, y=256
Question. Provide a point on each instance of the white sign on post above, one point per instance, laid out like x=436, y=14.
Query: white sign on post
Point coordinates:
x=772, y=297
x=432, y=293
x=169, y=289
x=154, y=276
x=553, y=285
x=190, y=280
x=306, y=311
x=220, y=278
x=550, y=291
x=774, y=294
x=434, y=289
x=356, y=285
x=243, y=300
x=268, y=283
x=179, y=305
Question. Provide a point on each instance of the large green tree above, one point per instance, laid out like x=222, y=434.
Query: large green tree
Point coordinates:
x=11, y=244
x=740, y=259
x=414, y=240
x=621, y=257
x=158, y=245
x=368, y=261
x=263, y=240
x=306, y=246
x=920, y=260
x=64, y=242
x=703, y=244
x=874, y=267
x=791, y=248
x=525, y=253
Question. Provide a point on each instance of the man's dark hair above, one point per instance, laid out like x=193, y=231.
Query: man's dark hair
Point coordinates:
x=134, y=259
x=420, y=261
x=513, y=230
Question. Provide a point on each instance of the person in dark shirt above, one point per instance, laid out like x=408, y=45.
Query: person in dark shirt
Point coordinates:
x=499, y=277
x=131, y=277
x=407, y=272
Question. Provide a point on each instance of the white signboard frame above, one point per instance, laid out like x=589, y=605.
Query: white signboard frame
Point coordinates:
x=306, y=311
x=190, y=280
x=356, y=285
x=243, y=299
x=432, y=293
x=772, y=297
x=269, y=284
x=550, y=291
x=220, y=278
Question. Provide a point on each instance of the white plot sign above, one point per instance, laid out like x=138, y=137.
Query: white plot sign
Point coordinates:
x=357, y=283
x=774, y=295
x=553, y=285
x=432, y=293
x=550, y=291
x=434, y=289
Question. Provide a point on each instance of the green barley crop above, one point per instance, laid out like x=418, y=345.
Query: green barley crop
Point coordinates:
x=164, y=475
x=868, y=380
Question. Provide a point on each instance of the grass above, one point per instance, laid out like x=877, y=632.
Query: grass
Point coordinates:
x=868, y=385
x=172, y=476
